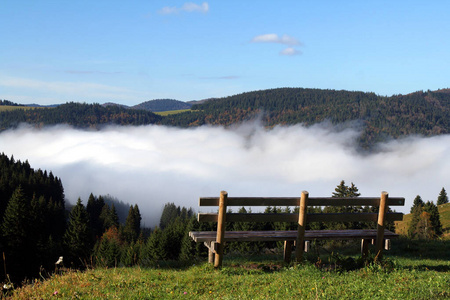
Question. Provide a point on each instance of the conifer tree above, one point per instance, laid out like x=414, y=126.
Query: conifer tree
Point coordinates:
x=443, y=198
x=132, y=227
x=435, y=221
x=109, y=217
x=94, y=209
x=77, y=238
x=15, y=226
x=418, y=202
x=17, y=237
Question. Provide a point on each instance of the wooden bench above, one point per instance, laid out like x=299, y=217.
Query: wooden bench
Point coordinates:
x=215, y=240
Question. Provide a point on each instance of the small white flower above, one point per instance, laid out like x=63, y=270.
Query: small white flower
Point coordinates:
x=60, y=260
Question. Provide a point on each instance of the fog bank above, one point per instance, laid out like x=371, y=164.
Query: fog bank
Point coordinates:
x=152, y=165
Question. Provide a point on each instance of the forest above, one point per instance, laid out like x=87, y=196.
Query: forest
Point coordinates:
x=39, y=233
x=379, y=118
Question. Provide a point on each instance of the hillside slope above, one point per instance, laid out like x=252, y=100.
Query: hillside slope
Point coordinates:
x=424, y=113
x=401, y=227
x=79, y=115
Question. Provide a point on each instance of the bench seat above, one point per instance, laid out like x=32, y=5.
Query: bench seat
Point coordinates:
x=289, y=235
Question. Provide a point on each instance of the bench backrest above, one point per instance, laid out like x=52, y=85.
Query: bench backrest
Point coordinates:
x=295, y=202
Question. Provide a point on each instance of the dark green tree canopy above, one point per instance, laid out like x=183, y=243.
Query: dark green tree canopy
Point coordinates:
x=343, y=190
x=443, y=198
x=78, y=239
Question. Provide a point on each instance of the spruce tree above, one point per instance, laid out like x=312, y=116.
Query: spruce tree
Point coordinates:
x=416, y=211
x=132, y=227
x=77, y=238
x=418, y=202
x=18, y=238
x=436, y=224
x=442, y=199
x=15, y=226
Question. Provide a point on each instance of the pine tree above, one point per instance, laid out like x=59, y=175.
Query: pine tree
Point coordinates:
x=436, y=224
x=442, y=199
x=109, y=217
x=18, y=238
x=343, y=190
x=132, y=227
x=15, y=226
x=424, y=229
x=94, y=209
x=418, y=202
x=77, y=238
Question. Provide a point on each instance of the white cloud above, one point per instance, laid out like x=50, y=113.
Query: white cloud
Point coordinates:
x=284, y=39
x=187, y=7
x=290, y=51
x=274, y=38
x=153, y=165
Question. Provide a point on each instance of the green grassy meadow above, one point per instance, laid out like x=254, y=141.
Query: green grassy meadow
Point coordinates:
x=11, y=107
x=411, y=270
x=171, y=112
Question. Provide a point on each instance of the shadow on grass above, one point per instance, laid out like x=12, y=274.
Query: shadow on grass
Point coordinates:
x=421, y=249
x=402, y=248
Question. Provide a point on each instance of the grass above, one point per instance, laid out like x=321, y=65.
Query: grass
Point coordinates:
x=11, y=107
x=416, y=270
x=171, y=112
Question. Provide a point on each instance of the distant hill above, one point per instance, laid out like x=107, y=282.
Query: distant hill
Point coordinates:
x=80, y=115
x=401, y=227
x=379, y=117
x=163, y=105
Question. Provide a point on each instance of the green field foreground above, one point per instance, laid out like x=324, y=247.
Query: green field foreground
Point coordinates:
x=415, y=270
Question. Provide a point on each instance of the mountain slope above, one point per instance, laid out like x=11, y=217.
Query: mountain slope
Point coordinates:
x=425, y=113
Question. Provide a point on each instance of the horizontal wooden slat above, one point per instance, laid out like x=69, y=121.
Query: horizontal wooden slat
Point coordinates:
x=294, y=201
x=251, y=201
x=269, y=217
x=290, y=235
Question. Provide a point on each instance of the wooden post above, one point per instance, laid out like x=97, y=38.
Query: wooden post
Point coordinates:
x=300, y=245
x=221, y=219
x=287, y=251
x=380, y=224
x=211, y=253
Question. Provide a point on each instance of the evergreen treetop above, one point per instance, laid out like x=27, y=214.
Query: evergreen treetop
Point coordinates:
x=443, y=198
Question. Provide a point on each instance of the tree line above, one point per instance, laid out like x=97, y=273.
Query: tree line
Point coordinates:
x=79, y=115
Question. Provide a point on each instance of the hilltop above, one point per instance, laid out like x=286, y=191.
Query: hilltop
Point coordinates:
x=161, y=105
x=377, y=117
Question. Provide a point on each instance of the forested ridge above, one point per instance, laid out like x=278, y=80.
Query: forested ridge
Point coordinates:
x=425, y=113
x=378, y=117
x=80, y=115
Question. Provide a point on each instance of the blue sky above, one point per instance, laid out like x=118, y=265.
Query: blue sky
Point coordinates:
x=130, y=52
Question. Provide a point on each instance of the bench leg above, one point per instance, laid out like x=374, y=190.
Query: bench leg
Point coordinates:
x=287, y=251
x=365, y=248
x=210, y=254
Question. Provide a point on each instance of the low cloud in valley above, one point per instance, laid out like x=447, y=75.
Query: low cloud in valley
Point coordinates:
x=152, y=165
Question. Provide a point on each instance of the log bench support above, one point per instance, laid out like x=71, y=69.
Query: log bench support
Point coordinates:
x=300, y=238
